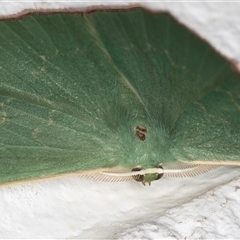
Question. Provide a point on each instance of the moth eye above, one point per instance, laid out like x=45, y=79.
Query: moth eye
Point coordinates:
x=138, y=178
x=141, y=132
x=160, y=175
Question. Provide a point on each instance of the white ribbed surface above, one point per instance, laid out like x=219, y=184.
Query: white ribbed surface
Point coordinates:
x=170, y=208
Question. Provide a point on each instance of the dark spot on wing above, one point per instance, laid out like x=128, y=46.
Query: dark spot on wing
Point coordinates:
x=141, y=132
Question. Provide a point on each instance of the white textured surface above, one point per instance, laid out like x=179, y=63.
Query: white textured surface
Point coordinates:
x=204, y=207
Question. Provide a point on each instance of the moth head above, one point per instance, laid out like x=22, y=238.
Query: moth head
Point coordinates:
x=148, y=176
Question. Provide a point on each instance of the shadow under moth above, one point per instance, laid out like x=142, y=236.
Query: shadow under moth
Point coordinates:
x=114, y=96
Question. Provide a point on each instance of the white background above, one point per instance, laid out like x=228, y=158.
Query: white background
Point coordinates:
x=207, y=206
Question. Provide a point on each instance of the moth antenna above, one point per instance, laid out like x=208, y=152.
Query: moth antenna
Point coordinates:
x=181, y=165
x=189, y=172
x=99, y=176
x=133, y=173
x=213, y=162
x=178, y=170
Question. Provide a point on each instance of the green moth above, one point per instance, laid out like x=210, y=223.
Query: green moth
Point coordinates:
x=115, y=96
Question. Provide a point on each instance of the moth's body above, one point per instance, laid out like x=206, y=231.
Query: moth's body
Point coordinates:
x=135, y=151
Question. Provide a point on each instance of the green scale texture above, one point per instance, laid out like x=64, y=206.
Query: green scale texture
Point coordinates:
x=73, y=87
